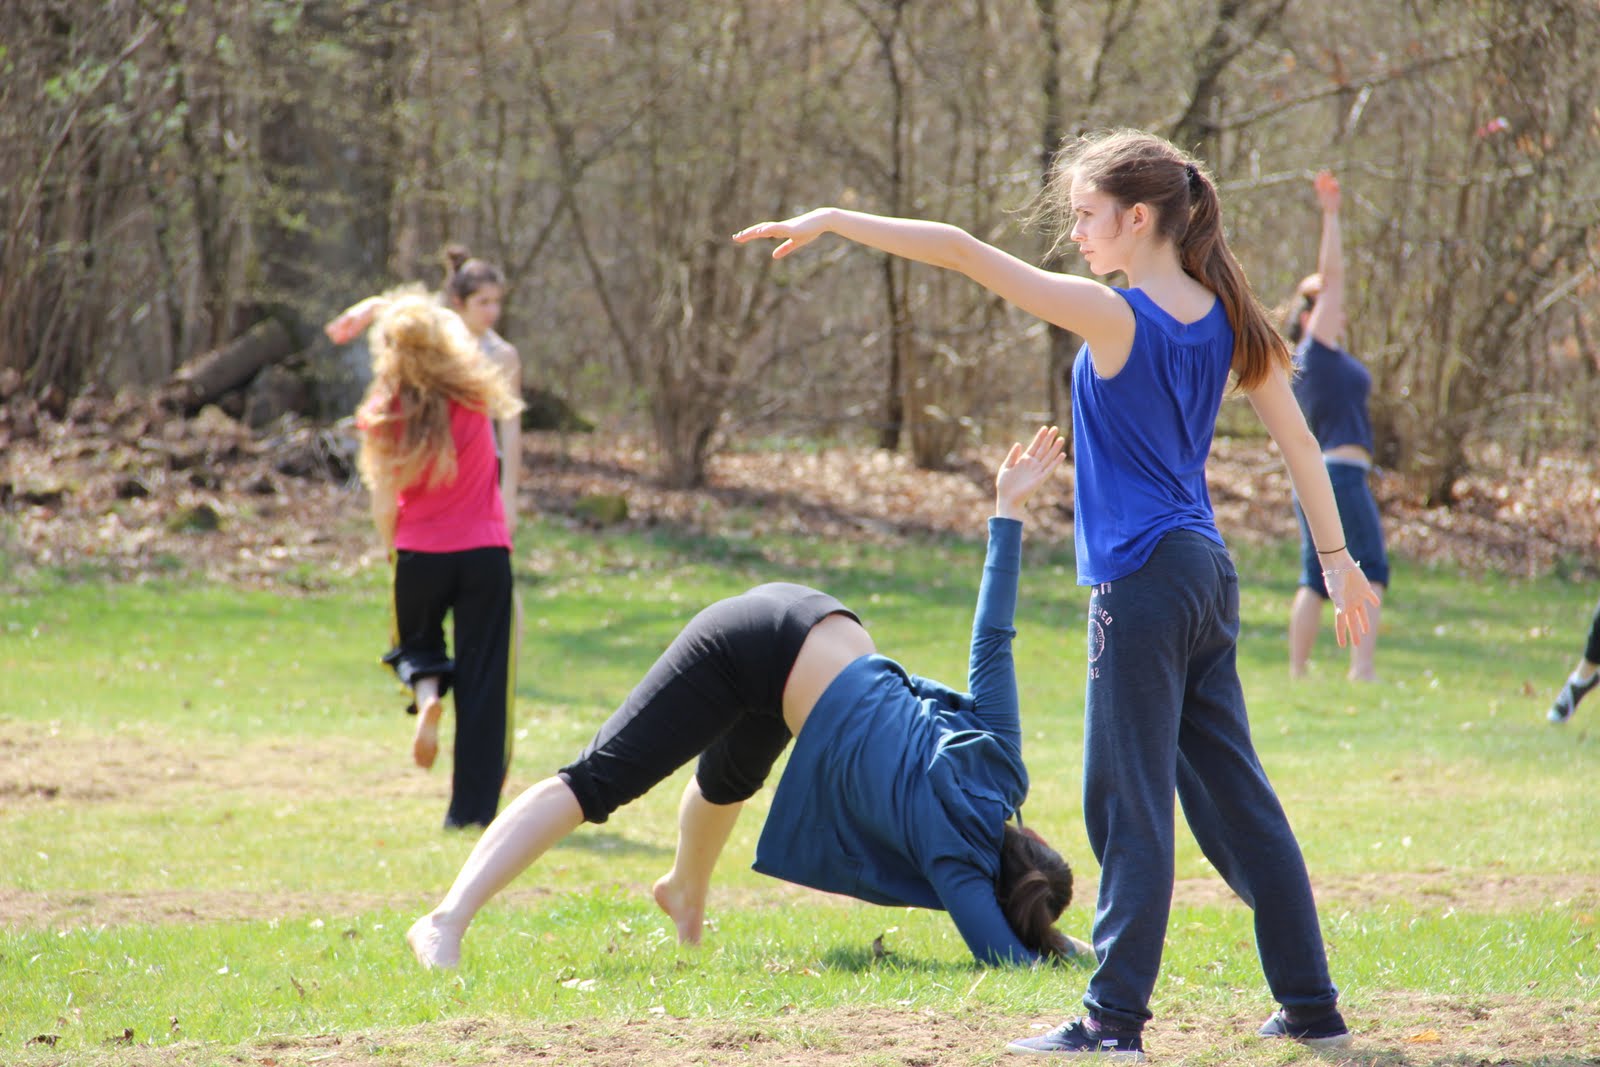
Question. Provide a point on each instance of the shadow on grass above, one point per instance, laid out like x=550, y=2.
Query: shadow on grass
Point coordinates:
x=855, y=960
x=612, y=844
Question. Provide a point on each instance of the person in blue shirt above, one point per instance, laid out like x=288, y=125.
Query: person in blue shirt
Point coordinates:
x=899, y=790
x=1164, y=711
x=1332, y=387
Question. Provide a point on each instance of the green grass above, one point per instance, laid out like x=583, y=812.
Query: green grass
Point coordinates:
x=207, y=815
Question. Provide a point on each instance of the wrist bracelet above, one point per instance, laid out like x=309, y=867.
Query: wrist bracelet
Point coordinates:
x=1341, y=570
x=1332, y=551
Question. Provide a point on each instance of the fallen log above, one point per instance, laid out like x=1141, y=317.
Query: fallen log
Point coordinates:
x=207, y=377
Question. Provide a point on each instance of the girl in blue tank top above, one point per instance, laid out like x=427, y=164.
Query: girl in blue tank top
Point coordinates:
x=1163, y=712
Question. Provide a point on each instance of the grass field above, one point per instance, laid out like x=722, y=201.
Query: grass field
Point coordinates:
x=211, y=837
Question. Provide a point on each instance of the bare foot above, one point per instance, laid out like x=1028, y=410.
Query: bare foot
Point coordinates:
x=687, y=911
x=425, y=746
x=433, y=943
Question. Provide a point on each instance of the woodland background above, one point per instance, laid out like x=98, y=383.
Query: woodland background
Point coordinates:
x=176, y=174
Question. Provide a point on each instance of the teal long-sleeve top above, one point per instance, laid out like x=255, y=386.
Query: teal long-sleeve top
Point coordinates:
x=898, y=788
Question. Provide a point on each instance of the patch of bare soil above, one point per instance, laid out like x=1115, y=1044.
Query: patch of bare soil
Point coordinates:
x=1389, y=1031
x=122, y=488
x=42, y=767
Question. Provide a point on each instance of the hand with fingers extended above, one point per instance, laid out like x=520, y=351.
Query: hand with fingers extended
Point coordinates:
x=793, y=233
x=1351, y=594
x=1024, y=470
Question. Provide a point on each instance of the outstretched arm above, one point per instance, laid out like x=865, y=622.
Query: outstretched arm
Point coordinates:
x=991, y=674
x=349, y=323
x=1327, y=314
x=1348, y=588
x=1091, y=310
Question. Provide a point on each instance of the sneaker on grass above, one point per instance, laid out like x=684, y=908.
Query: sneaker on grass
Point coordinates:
x=1326, y=1032
x=1082, y=1037
x=1567, y=700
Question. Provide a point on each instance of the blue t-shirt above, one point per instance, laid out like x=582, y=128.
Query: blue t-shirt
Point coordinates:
x=1332, y=387
x=898, y=788
x=1141, y=438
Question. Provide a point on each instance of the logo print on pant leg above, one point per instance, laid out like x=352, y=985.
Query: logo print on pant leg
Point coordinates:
x=1099, y=619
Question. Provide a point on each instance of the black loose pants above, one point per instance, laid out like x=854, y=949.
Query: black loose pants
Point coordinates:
x=474, y=588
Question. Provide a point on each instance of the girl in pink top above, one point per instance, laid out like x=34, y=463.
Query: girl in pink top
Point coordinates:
x=428, y=458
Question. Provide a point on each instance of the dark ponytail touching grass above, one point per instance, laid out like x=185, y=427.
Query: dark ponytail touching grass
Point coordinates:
x=1035, y=887
x=1134, y=167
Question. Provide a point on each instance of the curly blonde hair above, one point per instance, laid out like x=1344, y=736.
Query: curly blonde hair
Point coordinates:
x=423, y=359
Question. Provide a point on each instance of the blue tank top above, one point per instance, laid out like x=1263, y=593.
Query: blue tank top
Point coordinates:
x=1141, y=438
x=1332, y=387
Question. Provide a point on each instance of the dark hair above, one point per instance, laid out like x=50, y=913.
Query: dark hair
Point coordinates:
x=1305, y=298
x=1035, y=887
x=464, y=275
x=1297, y=327
x=1134, y=167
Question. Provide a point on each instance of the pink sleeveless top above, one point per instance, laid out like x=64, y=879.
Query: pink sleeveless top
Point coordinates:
x=466, y=512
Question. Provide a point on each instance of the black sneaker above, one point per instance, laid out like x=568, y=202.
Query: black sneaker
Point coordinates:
x=1567, y=700
x=1327, y=1032
x=1082, y=1038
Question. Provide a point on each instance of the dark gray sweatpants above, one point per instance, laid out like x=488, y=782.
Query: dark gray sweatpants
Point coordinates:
x=1165, y=713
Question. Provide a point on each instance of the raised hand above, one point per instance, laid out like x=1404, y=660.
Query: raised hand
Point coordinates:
x=1023, y=471
x=794, y=233
x=1327, y=190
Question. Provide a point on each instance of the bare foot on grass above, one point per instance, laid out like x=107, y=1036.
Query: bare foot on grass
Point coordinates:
x=687, y=910
x=434, y=944
x=425, y=745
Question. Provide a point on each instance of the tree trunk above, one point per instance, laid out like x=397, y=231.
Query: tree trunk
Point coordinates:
x=325, y=229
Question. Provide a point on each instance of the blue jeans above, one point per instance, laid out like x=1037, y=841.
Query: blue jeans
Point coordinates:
x=1165, y=713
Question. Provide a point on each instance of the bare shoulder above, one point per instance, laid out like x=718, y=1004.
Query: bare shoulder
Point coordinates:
x=503, y=354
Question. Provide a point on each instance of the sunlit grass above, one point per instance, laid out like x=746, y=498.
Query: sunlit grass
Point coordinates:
x=208, y=815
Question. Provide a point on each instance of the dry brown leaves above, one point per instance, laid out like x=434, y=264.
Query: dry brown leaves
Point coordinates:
x=122, y=488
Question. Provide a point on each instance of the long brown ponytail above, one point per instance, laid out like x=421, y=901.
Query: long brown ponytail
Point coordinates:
x=1035, y=887
x=1134, y=167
